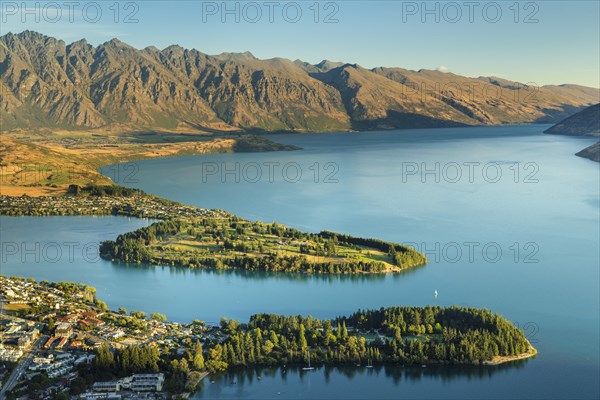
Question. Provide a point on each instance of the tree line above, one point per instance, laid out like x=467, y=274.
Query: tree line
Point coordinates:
x=403, y=256
x=404, y=335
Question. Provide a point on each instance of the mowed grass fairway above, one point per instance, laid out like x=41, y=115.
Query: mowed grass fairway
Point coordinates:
x=265, y=244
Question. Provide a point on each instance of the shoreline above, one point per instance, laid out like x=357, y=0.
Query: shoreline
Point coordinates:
x=23, y=172
x=531, y=352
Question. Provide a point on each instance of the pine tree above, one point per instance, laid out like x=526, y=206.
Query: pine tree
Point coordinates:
x=198, y=360
x=302, y=343
x=231, y=356
x=344, y=334
x=398, y=335
x=105, y=358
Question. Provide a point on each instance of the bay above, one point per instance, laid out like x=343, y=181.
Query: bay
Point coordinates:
x=524, y=243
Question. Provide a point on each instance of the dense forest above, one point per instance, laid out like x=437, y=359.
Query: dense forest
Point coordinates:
x=404, y=335
x=223, y=243
x=395, y=335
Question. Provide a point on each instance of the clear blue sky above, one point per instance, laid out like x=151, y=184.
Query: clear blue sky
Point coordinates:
x=546, y=42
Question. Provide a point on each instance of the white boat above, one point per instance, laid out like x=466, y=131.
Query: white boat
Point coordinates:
x=369, y=365
x=309, y=368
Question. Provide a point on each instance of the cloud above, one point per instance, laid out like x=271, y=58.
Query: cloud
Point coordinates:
x=443, y=69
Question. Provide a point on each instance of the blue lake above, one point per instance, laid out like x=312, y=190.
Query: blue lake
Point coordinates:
x=508, y=216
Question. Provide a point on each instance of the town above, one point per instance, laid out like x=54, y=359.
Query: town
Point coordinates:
x=102, y=200
x=50, y=334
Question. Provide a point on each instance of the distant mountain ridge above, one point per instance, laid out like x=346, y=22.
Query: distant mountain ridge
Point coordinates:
x=45, y=83
x=583, y=123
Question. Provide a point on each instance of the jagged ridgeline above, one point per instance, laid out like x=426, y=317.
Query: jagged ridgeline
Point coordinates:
x=231, y=242
x=47, y=83
x=402, y=335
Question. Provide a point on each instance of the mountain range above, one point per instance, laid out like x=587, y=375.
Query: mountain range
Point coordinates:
x=46, y=83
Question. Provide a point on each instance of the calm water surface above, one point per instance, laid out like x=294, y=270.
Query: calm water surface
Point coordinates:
x=517, y=231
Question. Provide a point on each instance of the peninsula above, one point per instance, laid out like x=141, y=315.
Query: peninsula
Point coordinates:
x=73, y=345
x=583, y=123
x=192, y=237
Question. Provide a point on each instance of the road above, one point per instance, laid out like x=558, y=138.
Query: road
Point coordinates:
x=21, y=367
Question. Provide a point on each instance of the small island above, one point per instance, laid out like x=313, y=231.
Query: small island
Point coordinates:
x=64, y=333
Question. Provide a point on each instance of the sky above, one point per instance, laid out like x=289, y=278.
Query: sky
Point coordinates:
x=539, y=42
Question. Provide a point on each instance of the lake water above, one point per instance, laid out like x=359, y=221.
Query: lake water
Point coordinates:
x=508, y=217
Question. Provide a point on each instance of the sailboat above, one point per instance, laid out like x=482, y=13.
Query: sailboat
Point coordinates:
x=309, y=368
x=369, y=365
